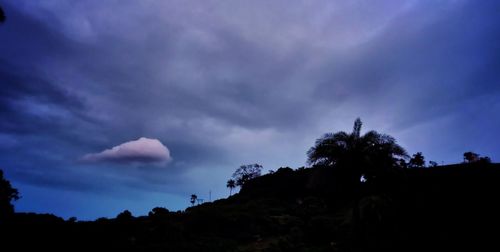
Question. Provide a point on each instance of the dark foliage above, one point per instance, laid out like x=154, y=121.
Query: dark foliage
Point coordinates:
x=231, y=184
x=2, y=15
x=444, y=208
x=371, y=155
x=246, y=173
x=7, y=195
x=193, y=199
x=417, y=161
x=158, y=212
x=124, y=216
x=471, y=157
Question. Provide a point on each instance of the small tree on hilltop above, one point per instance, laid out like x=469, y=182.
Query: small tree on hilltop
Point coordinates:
x=246, y=172
x=158, y=211
x=417, y=161
x=470, y=157
x=194, y=197
x=125, y=216
x=357, y=154
x=231, y=184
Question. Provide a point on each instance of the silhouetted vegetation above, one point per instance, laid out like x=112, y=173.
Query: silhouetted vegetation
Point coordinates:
x=417, y=160
x=246, y=173
x=471, y=157
x=371, y=155
x=7, y=195
x=358, y=196
x=231, y=184
x=125, y=216
x=193, y=199
x=2, y=15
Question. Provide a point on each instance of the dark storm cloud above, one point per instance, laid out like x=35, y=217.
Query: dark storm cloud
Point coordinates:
x=428, y=67
x=32, y=104
x=226, y=83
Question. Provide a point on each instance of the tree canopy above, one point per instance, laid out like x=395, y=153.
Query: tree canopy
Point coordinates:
x=193, y=199
x=2, y=15
x=358, y=154
x=231, y=184
x=417, y=160
x=246, y=172
x=7, y=195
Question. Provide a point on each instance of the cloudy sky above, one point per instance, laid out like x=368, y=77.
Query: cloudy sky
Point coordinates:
x=113, y=105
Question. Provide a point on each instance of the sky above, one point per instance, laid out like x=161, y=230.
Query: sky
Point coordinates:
x=114, y=105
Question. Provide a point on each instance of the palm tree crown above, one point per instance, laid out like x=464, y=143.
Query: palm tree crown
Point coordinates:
x=362, y=154
x=194, y=197
x=231, y=184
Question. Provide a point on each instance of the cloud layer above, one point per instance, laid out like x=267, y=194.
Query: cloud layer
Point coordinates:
x=142, y=151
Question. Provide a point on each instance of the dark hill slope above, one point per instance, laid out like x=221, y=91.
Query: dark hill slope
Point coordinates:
x=444, y=208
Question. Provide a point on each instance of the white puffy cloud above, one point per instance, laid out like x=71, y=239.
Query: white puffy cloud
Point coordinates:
x=142, y=150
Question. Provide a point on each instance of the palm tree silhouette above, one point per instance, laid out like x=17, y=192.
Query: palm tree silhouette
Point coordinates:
x=358, y=158
x=358, y=155
x=194, y=197
x=231, y=184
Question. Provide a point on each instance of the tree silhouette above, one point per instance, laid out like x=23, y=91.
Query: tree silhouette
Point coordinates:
x=231, y=184
x=2, y=15
x=194, y=197
x=246, y=172
x=417, y=161
x=470, y=157
x=7, y=195
x=484, y=160
x=358, y=159
x=124, y=216
x=158, y=212
x=358, y=155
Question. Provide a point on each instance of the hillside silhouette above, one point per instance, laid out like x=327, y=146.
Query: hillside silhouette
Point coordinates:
x=358, y=195
x=441, y=208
